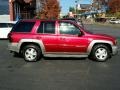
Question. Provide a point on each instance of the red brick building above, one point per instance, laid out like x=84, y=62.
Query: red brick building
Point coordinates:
x=24, y=9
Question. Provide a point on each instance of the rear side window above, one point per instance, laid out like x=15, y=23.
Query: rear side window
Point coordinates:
x=47, y=27
x=23, y=27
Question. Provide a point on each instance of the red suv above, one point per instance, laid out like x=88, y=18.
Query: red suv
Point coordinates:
x=34, y=39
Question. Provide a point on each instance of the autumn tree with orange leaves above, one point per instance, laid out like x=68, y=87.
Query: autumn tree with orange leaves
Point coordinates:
x=50, y=9
x=114, y=6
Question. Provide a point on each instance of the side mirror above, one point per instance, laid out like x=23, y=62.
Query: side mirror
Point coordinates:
x=80, y=34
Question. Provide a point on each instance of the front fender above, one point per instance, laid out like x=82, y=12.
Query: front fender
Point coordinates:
x=91, y=45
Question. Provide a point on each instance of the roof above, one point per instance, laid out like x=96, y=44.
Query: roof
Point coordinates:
x=34, y=20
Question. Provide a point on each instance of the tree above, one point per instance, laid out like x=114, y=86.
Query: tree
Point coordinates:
x=50, y=9
x=114, y=6
x=72, y=9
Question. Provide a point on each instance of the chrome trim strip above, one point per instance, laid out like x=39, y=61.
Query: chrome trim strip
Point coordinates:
x=67, y=53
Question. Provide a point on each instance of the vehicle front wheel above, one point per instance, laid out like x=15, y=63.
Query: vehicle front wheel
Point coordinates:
x=32, y=53
x=100, y=53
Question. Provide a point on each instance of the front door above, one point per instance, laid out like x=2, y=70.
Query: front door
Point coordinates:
x=71, y=39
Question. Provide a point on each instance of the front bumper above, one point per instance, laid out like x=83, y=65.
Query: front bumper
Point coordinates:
x=114, y=50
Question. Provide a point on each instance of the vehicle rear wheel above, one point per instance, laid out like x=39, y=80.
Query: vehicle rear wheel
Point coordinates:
x=32, y=53
x=100, y=53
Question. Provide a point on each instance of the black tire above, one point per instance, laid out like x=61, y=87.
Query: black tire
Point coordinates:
x=100, y=53
x=31, y=53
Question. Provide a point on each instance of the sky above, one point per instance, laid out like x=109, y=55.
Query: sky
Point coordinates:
x=65, y=4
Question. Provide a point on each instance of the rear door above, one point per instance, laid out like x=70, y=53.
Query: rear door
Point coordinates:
x=47, y=33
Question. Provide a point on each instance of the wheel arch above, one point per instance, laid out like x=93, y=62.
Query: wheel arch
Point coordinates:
x=96, y=42
x=25, y=42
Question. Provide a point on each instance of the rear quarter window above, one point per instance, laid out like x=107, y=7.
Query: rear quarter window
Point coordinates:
x=23, y=27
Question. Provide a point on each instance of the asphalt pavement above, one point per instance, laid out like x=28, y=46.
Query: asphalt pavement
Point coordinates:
x=60, y=73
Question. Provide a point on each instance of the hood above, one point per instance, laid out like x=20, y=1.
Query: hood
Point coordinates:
x=103, y=36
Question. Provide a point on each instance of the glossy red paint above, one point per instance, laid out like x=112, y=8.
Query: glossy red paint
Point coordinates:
x=57, y=42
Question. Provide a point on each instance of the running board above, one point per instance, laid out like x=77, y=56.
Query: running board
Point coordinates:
x=65, y=55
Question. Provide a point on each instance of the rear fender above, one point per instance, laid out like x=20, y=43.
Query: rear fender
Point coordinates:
x=39, y=42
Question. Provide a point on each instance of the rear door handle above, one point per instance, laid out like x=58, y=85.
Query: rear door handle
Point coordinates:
x=62, y=38
x=37, y=37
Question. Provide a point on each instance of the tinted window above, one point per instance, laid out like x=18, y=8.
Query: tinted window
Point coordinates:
x=3, y=25
x=23, y=27
x=47, y=27
x=68, y=28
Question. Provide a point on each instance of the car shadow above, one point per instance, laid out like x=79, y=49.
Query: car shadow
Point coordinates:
x=63, y=58
x=53, y=58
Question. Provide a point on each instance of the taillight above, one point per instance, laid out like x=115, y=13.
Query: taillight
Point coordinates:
x=9, y=37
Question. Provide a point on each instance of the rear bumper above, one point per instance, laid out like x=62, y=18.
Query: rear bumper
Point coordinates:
x=13, y=47
x=114, y=50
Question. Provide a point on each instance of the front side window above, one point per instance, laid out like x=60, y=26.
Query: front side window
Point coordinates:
x=68, y=28
x=23, y=27
x=47, y=27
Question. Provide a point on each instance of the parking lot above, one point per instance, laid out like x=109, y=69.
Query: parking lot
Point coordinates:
x=60, y=73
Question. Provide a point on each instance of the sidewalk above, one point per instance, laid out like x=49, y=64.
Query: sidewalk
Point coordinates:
x=108, y=24
x=92, y=22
